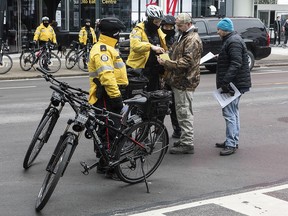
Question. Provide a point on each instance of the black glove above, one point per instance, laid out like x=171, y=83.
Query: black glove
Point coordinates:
x=116, y=104
x=100, y=89
x=227, y=89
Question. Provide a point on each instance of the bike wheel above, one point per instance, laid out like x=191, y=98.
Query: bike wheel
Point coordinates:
x=71, y=59
x=6, y=65
x=27, y=60
x=55, y=170
x=83, y=61
x=50, y=62
x=40, y=137
x=140, y=159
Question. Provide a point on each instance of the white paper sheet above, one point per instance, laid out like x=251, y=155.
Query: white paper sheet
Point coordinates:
x=207, y=57
x=225, y=98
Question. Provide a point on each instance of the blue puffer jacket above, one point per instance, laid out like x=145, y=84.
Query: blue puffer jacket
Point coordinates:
x=233, y=64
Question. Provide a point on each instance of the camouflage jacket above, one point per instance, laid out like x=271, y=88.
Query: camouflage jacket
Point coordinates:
x=183, y=71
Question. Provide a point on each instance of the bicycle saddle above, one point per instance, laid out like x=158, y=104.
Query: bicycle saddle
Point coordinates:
x=137, y=99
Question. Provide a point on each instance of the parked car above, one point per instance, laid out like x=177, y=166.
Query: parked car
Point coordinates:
x=252, y=30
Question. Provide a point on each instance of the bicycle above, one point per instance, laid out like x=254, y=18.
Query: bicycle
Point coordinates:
x=6, y=62
x=135, y=154
x=78, y=56
x=48, y=61
x=49, y=118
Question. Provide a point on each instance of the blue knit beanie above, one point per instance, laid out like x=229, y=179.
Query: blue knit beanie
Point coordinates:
x=226, y=24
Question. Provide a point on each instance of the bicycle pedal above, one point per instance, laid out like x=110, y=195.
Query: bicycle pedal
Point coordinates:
x=86, y=168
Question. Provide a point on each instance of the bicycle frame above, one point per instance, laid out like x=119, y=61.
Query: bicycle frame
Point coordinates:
x=3, y=47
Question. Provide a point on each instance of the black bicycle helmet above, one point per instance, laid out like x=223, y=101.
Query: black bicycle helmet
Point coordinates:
x=168, y=19
x=111, y=24
x=87, y=20
x=154, y=12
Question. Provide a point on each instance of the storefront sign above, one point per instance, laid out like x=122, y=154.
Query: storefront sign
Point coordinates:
x=88, y=1
x=109, y=1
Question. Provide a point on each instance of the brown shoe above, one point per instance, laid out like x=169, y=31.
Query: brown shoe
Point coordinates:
x=182, y=149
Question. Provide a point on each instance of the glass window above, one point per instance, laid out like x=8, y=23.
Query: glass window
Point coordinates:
x=201, y=28
x=119, y=9
x=74, y=15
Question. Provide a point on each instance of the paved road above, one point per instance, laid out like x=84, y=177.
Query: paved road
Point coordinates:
x=278, y=57
x=260, y=161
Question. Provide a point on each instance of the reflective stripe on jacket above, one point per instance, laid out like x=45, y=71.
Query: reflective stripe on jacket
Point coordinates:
x=45, y=34
x=140, y=46
x=106, y=65
x=83, y=36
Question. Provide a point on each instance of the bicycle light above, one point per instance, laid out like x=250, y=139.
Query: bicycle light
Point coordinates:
x=79, y=123
x=55, y=99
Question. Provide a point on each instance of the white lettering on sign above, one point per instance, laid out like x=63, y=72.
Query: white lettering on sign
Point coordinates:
x=109, y=1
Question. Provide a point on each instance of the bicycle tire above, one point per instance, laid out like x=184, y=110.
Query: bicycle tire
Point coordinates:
x=71, y=59
x=54, y=172
x=154, y=136
x=27, y=60
x=7, y=64
x=54, y=62
x=40, y=137
x=82, y=61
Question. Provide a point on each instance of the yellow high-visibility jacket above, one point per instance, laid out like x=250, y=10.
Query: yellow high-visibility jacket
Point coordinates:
x=43, y=33
x=106, y=65
x=83, y=36
x=140, y=46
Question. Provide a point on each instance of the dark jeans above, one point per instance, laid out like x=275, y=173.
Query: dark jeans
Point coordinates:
x=277, y=37
x=105, y=134
x=173, y=115
x=285, y=39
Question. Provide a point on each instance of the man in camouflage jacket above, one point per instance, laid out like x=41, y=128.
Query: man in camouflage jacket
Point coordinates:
x=183, y=75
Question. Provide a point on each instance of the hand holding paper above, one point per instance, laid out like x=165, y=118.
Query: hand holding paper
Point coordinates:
x=164, y=56
x=225, y=98
x=207, y=57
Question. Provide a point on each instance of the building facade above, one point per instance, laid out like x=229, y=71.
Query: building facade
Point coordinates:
x=21, y=17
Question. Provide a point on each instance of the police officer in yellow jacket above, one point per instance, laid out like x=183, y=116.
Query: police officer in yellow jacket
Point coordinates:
x=45, y=32
x=87, y=33
x=146, y=41
x=107, y=71
x=107, y=74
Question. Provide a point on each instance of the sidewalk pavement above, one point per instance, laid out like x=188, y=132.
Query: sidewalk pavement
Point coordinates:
x=278, y=57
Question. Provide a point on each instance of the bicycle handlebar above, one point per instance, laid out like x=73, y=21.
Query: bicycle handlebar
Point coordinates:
x=76, y=98
x=48, y=77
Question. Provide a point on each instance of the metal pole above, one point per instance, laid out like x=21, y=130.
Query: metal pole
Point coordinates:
x=139, y=11
x=3, y=7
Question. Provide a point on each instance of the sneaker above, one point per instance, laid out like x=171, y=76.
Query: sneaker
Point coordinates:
x=227, y=151
x=223, y=145
x=181, y=149
x=176, y=134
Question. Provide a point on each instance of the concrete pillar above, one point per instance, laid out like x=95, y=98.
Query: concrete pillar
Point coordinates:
x=243, y=8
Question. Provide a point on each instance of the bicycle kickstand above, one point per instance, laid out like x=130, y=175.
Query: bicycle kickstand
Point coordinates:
x=87, y=167
x=145, y=179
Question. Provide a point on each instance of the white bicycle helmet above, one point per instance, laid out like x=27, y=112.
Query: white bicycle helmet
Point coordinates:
x=45, y=18
x=154, y=12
